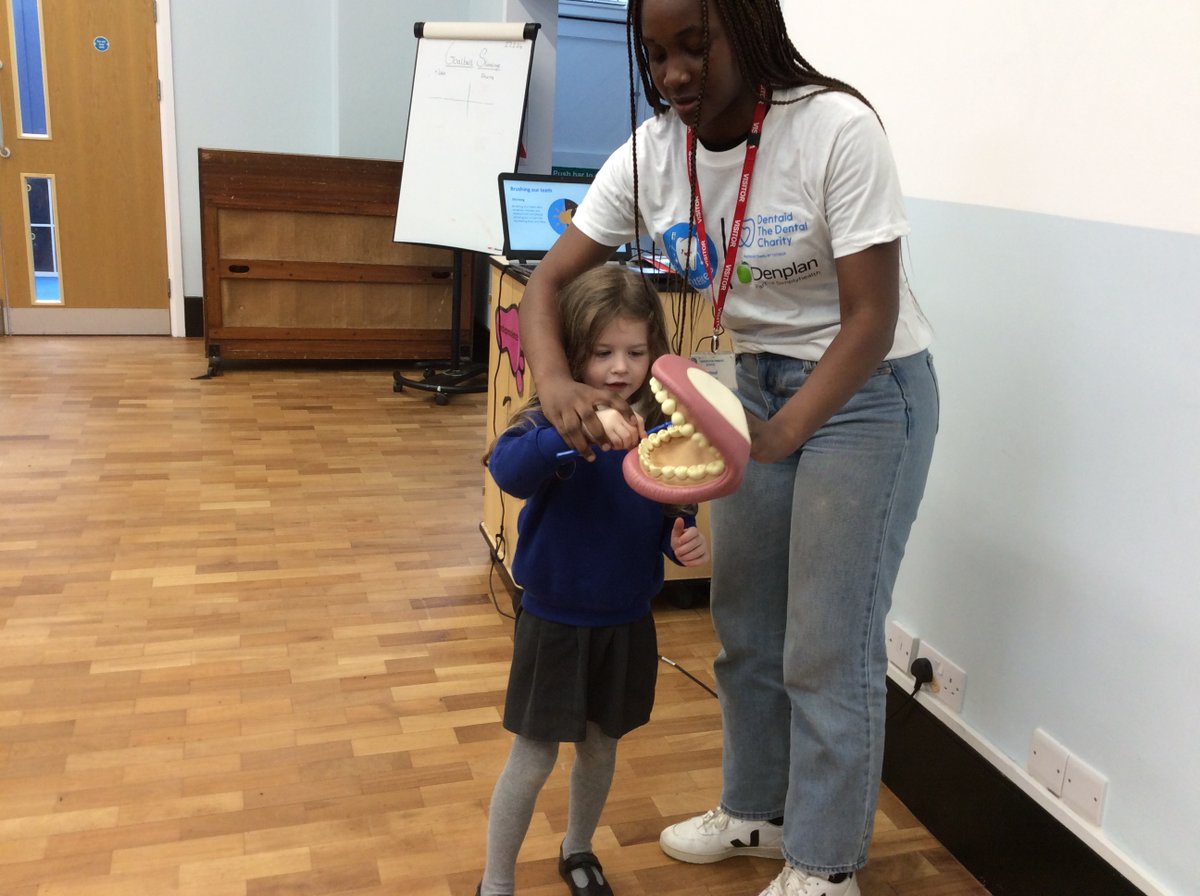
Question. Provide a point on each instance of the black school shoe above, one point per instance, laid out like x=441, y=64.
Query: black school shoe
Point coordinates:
x=590, y=866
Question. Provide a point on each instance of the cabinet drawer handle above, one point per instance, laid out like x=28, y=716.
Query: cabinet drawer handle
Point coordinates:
x=239, y=269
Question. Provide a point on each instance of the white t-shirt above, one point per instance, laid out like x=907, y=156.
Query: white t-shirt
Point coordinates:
x=824, y=186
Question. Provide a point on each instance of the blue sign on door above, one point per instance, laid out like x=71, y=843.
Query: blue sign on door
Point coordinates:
x=101, y=44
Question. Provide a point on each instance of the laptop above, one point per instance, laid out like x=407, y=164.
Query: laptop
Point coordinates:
x=536, y=209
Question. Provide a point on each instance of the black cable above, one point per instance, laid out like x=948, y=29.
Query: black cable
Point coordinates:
x=492, y=589
x=675, y=665
x=922, y=673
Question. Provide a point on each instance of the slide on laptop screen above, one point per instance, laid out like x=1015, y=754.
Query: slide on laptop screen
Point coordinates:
x=536, y=209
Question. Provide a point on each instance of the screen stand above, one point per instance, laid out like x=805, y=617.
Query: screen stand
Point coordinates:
x=457, y=378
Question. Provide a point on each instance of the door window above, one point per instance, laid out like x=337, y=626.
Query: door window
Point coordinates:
x=43, y=239
x=31, y=80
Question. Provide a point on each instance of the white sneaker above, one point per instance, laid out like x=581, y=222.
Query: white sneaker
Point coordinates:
x=794, y=882
x=715, y=835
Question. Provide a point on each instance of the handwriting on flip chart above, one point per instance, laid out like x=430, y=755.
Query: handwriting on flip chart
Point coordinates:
x=464, y=127
x=470, y=70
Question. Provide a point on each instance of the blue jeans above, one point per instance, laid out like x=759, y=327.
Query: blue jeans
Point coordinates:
x=805, y=555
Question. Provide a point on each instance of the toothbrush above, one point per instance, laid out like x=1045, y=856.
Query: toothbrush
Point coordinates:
x=571, y=452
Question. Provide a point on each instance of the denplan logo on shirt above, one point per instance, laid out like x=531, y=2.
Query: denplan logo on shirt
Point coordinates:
x=787, y=273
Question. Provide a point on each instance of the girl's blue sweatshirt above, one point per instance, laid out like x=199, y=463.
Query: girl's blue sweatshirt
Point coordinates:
x=589, y=550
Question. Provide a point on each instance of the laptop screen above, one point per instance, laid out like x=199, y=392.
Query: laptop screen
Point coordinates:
x=536, y=209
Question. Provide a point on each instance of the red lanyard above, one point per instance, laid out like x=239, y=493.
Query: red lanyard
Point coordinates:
x=739, y=211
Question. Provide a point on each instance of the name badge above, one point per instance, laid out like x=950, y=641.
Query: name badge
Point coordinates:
x=720, y=365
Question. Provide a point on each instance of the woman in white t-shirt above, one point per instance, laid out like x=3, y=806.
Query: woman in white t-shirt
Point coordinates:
x=795, y=217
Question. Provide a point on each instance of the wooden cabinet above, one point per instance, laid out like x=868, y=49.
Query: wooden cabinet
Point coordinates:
x=510, y=386
x=299, y=262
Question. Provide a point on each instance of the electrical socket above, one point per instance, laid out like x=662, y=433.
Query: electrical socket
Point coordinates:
x=900, y=647
x=949, y=680
x=1084, y=789
x=1047, y=761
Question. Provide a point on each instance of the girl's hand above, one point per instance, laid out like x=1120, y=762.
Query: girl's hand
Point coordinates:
x=619, y=432
x=571, y=409
x=688, y=545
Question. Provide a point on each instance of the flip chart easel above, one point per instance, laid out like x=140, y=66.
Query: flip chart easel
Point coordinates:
x=470, y=86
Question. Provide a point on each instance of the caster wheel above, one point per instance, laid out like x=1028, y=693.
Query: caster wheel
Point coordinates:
x=440, y=398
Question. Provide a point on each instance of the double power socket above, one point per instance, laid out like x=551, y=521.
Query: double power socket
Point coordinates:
x=949, y=683
x=1081, y=787
x=1068, y=777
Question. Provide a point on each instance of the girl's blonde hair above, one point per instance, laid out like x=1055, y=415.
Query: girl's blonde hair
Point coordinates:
x=587, y=305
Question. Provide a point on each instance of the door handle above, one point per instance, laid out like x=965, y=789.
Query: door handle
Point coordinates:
x=5, y=152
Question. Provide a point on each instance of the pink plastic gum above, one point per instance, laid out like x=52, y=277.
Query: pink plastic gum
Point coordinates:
x=716, y=412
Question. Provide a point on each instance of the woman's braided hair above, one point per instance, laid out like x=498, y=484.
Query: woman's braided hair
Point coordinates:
x=764, y=54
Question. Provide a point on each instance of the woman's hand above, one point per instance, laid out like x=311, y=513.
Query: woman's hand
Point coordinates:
x=869, y=299
x=770, y=440
x=570, y=407
x=688, y=545
x=619, y=432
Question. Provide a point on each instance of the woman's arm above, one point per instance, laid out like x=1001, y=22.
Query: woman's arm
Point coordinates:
x=568, y=405
x=869, y=296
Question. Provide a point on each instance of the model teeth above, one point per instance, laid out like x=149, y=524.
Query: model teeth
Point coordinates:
x=679, y=454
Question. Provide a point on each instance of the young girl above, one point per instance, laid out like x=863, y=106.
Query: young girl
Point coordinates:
x=771, y=169
x=589, y=558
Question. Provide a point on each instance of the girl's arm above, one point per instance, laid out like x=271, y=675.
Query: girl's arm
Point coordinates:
x=569, y=406
x=869, y=295
x=523, y=459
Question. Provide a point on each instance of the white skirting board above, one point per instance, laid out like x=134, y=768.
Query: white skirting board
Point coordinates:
x=1093, y=836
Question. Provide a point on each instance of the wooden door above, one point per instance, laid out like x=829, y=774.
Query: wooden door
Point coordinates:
x=82, y=220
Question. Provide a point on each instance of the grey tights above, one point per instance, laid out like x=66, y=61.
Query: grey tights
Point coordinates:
x=529, y=765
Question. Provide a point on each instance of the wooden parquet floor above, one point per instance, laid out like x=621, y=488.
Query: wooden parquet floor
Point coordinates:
x=247, y=648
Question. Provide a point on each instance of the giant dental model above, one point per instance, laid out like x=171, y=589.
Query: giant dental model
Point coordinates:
x=702, y=454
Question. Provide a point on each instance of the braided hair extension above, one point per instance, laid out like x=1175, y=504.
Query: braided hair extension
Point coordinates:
x=764, y=53
x=637, y=52
x=765, y=56
x=633, y=47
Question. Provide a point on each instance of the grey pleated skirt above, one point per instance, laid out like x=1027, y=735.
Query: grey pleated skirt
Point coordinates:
x=564, y=676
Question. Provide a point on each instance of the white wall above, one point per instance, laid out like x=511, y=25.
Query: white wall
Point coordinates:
x=1089, y=110
x=320, y=77
x=1049, y=154
x=376, y=53
x=247, y=76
